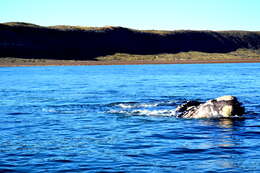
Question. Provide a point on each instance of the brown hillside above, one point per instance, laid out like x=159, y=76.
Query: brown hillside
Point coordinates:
x=86, y=43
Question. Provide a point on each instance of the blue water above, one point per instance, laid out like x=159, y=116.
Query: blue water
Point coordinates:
x=121, y=119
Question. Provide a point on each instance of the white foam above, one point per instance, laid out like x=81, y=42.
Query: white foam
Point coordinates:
x=164, y=112
x=136, y=105
x=125, y=106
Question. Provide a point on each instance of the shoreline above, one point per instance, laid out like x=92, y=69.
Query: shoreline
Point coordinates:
x=120, y=62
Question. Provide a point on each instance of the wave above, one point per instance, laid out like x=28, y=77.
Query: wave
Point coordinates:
x=136, y=105
x=165, y=112
x=153, y=108
x=131, y=105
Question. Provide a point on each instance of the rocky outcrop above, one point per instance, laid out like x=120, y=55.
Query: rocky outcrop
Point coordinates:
x=222, y=107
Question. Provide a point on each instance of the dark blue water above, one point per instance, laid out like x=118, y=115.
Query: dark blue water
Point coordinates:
x=120, y=119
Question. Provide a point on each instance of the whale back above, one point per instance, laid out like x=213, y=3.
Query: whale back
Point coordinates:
x=221, y=107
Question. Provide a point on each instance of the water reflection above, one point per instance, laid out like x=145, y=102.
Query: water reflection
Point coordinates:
x=226, y=141
x=225, y=123
x=225, y=132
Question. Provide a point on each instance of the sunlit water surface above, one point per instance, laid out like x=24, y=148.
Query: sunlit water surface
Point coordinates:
x=121, y=119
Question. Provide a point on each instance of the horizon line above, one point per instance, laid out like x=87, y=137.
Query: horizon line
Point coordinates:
x=118, y=26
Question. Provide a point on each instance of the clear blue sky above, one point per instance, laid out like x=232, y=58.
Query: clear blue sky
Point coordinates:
x=138, y=14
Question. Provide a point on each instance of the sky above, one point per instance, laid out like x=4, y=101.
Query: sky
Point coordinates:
x=137, y=14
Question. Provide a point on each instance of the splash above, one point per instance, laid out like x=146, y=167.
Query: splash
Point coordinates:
x=144, y=112
x=158, y=108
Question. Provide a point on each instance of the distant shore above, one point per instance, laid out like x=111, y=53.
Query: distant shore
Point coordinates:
x=118, y=45
x=238, y=56
x=30, y=62
x=26, y=44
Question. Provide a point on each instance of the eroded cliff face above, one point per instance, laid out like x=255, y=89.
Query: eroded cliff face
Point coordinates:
x=87, y=43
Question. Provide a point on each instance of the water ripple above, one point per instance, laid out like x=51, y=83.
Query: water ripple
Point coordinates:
x=80, y=119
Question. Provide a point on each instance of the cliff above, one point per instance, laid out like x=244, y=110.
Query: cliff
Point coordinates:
x=86, y=43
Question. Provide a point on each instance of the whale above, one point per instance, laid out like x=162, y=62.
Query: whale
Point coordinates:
x=222, y=107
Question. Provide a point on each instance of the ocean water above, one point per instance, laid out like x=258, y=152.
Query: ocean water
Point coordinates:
x=121, y=119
